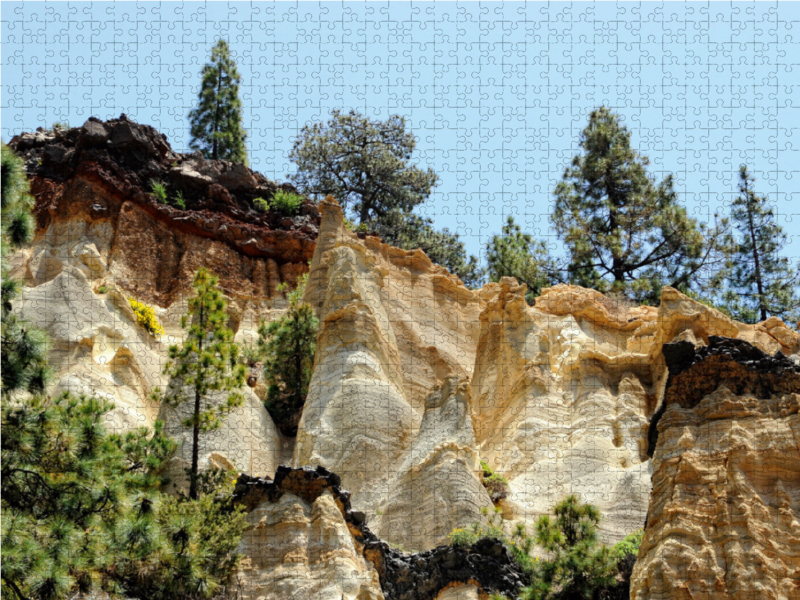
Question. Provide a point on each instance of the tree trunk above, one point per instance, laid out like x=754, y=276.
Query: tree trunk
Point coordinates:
x=759, y=282
x=195, y=447
x=215, y=154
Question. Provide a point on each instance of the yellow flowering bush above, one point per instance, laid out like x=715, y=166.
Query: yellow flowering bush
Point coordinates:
x=146, y=317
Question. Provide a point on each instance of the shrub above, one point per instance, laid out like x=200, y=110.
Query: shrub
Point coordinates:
x=60, y=125
x=159, y=191
x=286, y=203
x=146, y=317
x=102, y=290
x=179, y=201
x=495, y=483
x=261, y=205
x=519, y=543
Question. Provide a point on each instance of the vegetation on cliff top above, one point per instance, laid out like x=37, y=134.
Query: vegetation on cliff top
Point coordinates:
x=216, y=122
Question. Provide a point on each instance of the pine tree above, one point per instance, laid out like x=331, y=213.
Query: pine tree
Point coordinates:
x=82, y=511
x=24, y=348
x=288, y=345
x=517, y=254
x=624, y=233
x=363, y=163
x=216, y=124
x=761, y=282
x=205, y=362
x=578, y=565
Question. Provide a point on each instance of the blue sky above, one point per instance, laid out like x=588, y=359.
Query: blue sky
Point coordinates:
x=497, y=93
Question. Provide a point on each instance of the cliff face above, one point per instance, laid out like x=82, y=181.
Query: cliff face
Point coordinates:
x=393, y=328
x=724, y=516
x=95, y=211
x=674, y=414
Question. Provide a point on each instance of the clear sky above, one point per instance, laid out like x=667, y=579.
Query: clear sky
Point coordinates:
x=496, y=93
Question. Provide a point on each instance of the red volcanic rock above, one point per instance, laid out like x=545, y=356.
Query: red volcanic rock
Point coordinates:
x=93, y=185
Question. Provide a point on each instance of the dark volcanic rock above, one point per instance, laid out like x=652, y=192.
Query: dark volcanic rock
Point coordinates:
x=420, y=576
x=696, y=371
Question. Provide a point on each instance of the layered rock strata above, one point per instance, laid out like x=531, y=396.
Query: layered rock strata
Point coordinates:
x=96, y=210
x=724, y=516
x=393, y=327
x=306, y=541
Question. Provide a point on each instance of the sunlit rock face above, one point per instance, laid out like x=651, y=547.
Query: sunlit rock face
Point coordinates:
x=562, y=395
x=302, y=540
x=393, y=328
x=724, y=518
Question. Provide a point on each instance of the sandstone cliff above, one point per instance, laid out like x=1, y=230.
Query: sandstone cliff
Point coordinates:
x=724, y=517
x=646, y=412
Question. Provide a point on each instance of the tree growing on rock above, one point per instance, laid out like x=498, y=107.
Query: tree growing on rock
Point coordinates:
x=206, y=362
x=364, y=163
x=623, y=232
x=761, y=282
x=288, y=345
x=579, y=566
x=517, y=254
x=216, y=123
x=82, y=512
x=24, y=348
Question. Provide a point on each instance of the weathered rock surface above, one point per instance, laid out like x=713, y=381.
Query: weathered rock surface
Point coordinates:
x=95, y=211
x=303, y=540
x=724, y=517
x=97, y=346
x=392, y=327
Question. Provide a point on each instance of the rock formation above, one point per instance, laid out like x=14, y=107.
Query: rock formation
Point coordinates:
x=393, y=326
x=676, y=414
x=724, y=516
x=95, y=211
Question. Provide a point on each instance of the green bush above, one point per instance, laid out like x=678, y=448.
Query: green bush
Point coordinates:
x=146, y=317
x=159, y=191
x=494, y=482
x=179, y=201
x=286, y=203
x=261, y=205
x=102, y=289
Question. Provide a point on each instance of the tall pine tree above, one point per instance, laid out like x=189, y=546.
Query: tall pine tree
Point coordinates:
x=623, y=232
x=761, y=282
x=216, y=124
x=204, y=363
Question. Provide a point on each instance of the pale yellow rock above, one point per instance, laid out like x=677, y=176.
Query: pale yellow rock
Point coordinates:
x=562, y=395
x=392, y=327
x=97, y=346
x=460, y=592
x=293, y=550
x=247, y=440
x=724, y=517
x=437, y=488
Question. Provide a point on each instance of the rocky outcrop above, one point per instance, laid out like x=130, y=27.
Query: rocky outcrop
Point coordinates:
x=724, y=516
x=95, y=210
x=393, y=326
x=305, y=541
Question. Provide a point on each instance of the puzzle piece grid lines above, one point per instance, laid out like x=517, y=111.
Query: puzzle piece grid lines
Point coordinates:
x=497, y=93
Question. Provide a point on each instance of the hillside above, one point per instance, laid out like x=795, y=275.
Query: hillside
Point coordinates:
x=676, y=416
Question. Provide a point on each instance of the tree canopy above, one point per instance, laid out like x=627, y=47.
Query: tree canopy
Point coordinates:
x=622, y=231
x=216, y=122
x=363, y=163
x=761, y=282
